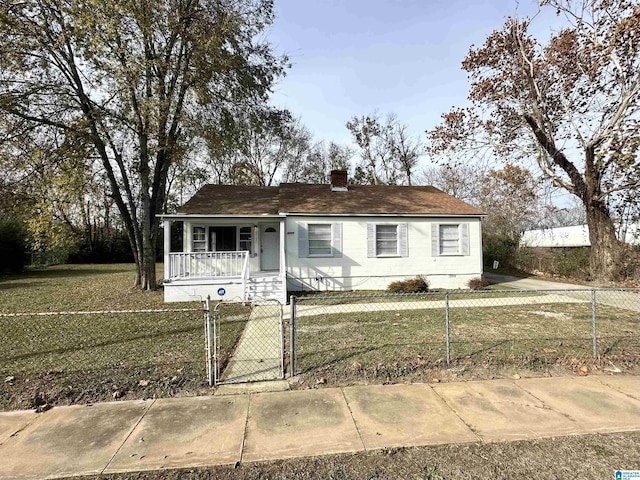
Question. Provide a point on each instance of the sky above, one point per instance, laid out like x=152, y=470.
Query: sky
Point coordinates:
x=352, y=57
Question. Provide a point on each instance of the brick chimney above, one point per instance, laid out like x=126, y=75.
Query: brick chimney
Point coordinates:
x=339, y=180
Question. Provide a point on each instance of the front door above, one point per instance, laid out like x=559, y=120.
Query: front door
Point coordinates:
x=269, y=246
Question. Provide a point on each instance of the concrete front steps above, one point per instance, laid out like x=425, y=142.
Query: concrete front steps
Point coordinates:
x=265, y=287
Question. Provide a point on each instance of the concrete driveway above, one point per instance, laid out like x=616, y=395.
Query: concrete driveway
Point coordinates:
x=529, y=283
x=628, y=299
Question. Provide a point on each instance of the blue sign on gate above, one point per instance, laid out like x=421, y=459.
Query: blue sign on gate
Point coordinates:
x=221, y=291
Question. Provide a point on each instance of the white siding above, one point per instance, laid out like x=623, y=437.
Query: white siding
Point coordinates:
x=355, y=270
x=199, y=290
x=575, y=236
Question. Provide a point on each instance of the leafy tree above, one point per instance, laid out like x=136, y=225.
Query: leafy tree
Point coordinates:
x=128, y=77
x=272, y=146
x=257, y=147
x=184, y=178
x=52, y=176
x=13, y=245
x=571, y=104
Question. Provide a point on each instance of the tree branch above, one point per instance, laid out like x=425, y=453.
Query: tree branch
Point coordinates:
x=577, y=185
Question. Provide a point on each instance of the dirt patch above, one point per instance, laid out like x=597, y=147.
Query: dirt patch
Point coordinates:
x=558, y=315
x=587, y=456
x=336, y=326
x=425, y=371
x=70, y=388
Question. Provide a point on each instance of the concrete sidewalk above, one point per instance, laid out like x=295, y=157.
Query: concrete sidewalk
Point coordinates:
x=494, y=300
x=202, y=431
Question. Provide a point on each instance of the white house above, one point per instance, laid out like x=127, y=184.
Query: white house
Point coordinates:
x=246, y=242
x=573, y=236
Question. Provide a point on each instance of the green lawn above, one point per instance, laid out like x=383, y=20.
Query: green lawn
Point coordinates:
x=84, y=358
x=341, y=348
x=76, y=287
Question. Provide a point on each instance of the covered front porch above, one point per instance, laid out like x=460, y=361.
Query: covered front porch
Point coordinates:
x=230, y=258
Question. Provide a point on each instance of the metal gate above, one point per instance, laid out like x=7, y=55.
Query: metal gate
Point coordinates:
x=245, y=342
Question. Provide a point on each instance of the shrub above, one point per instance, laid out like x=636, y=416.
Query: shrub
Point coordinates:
x=630, y=263
x=566, y=262
x=478, y=283
x=528, y=259
x=13, y=246
x=572, y=262
x=112, y=248
x=499, y=248
x=418, y=284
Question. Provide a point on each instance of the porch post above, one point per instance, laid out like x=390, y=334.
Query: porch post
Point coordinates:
x=167, y=247
x=283, y=257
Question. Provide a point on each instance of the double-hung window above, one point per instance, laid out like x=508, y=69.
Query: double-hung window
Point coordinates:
x=450, y=239
x=386, y=240
x=319, y=239
x=245, y=239
x=199, y=239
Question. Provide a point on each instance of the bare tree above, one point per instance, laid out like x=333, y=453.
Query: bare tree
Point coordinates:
x=571, y=104
x=314, y=167
x=387, y=151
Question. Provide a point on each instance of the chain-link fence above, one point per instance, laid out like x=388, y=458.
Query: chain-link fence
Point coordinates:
x=344, y=338
x=247, y=342
x=51, y=358
x=79, y=357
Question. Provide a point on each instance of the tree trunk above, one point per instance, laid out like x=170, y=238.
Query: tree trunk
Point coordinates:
x=606, y=250
x=148, y=257
x=149, y=260
x=604, y=258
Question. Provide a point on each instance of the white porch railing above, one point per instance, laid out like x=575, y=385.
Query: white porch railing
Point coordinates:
x=208, y=265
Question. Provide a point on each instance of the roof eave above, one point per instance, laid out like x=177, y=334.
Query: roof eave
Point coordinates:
x=327, y=214
x=177, y=216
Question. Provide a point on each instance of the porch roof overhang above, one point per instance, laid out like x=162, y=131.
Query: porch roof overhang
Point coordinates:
x=187, y=216
x=402, y=215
